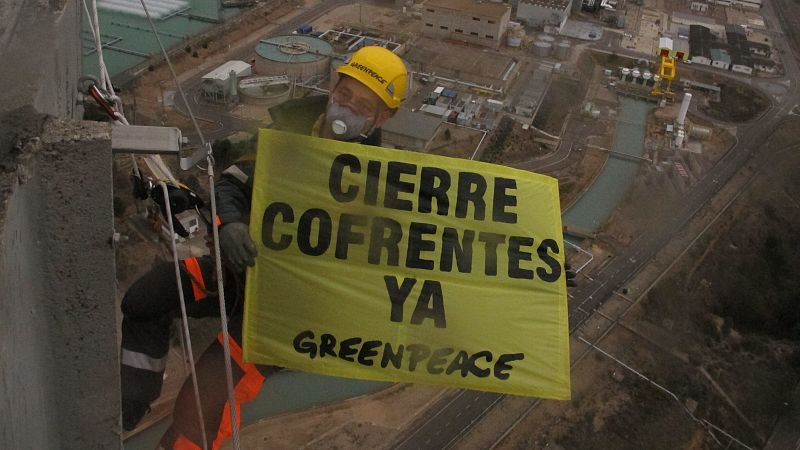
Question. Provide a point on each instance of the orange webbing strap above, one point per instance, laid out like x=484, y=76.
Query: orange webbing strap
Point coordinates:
x=245, y=391
x=183, y=443
x=198, y=284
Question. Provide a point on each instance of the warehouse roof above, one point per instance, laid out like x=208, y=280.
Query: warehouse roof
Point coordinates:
x=415, y=125
x=486, y=9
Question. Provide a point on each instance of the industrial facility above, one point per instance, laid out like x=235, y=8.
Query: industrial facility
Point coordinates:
x=538, y=13
x=482, y=23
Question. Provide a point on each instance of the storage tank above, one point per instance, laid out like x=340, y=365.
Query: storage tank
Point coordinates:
x=515, y=35
x=544, y=37
x=625, y=73
x=699, y=132
x=262, y=90
x=299, y=57
x=563, y=50
x=542, y=48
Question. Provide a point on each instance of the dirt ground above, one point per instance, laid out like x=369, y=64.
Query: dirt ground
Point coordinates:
x=366, y=422
x=738, y=103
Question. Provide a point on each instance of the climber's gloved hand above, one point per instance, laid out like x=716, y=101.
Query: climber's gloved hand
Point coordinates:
x=570, y=274
x=238, y=250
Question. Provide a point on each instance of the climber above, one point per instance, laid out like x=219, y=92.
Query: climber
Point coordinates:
x=370, y=87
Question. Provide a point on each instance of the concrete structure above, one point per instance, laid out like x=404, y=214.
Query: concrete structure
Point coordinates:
x=538, y=13
x=687, y=99
x=410, y=130
x=59, y=386
x=299, y=57
x=482, y=23
x=263, y=90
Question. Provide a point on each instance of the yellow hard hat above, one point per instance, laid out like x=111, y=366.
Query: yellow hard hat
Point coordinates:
x=380, y=70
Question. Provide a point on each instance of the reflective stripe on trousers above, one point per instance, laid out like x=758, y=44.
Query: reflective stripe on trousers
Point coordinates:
x=142, y=361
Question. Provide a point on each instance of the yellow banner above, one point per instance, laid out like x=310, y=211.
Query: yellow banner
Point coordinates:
x=399, y=266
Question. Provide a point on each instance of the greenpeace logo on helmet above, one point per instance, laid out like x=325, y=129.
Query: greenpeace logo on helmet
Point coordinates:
x=369, y=71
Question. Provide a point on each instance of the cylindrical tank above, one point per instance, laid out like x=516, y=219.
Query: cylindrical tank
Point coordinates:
x=296, y=56
x=542, y=49
x=263, y=90
x=699, y=132
x=636, y=73
x=545, y=38
x=562, y=50
x=647, y=75
x=625, y=73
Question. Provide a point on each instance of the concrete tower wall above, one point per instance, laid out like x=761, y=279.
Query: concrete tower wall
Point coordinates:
x=59, y=372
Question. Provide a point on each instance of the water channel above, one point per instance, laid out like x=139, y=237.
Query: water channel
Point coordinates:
x=597, y=204
x=295, y=391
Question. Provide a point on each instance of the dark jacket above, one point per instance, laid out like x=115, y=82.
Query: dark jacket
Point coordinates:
x=235, y=187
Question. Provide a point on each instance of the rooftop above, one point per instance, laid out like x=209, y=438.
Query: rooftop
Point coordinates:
x=486, y=9
x=222, y=72
x=552, y=4
x=415, y=125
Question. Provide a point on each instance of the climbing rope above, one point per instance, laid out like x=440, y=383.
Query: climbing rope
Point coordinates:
x=105, y=96
x=187, y=339
x=215, y=231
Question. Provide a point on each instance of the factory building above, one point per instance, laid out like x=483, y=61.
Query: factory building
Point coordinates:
x=736, y=53
x=410, y=130
x=482, y=23
x=538, y=13
x=221, y=83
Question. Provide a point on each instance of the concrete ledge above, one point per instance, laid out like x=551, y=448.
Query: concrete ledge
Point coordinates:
x=60, y=370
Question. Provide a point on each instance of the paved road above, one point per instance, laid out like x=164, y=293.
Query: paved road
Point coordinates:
x=449, y=421
x=220, y=115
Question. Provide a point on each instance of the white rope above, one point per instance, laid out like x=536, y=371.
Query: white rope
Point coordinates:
x=184, y=318
x=94, y=23
x=215, y=229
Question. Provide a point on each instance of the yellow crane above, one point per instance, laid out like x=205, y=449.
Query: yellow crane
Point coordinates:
x=666, y=71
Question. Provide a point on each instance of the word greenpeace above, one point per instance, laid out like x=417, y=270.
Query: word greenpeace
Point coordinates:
x=369, y=71
x=429, y=247
x=410, y=357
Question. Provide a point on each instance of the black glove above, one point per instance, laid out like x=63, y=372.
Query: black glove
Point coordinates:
x=570, y=275
x=236, y=246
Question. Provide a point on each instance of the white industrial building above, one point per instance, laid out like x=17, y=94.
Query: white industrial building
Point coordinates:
x=221, y=83
x=544, y=12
